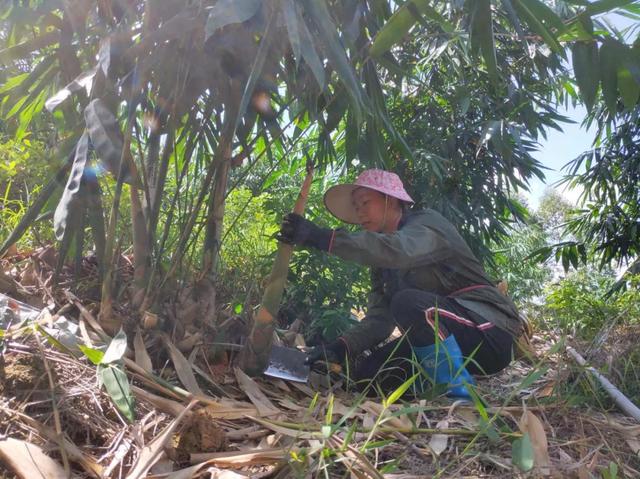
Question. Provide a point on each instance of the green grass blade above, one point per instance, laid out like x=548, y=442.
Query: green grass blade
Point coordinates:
x=397, y=394
x=29, y=218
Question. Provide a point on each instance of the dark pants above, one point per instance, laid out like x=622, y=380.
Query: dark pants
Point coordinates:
x=421, y=316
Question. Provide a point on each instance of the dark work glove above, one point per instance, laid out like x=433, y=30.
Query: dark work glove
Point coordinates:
x=332, y=353
x=297, y=230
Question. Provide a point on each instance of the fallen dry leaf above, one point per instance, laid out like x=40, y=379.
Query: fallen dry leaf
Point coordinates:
x=634, y=444
x=531, y=424
x=242, y=458
x=438, y=442
x=183, y=368
x=255, y=394
x=141, y=356
x=28, y=461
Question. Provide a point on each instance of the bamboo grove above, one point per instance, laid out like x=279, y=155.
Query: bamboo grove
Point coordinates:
x=155, y=110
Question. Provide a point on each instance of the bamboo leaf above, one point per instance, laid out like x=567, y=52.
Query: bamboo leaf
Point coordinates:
x=72, y=188
x=150, y=454
x=82, y=81
x=586, y=69
x=532, y=378
x=262, y=403
x=256, y=71
x=13, y=82
x=226, y=12
x=536, y=25
x=178, y=26
x=183, y=368
x=399, y=24
x=328, y=35
x=23, y=49
x=329, y=416
x=85, y=79
x=531, y=425
x=92, y=354
x=628, y=75
x=292, y=20
x=547, y=16
x=106, y=136
x=115, y=382
x=602, y=6
x=522, y=453
x=609, y=62
x=482, y=33
x=28, y=460
x=33, y=106
x=141, y=355
x=629, y=88
x=309, y=53
x=95, y=213
x=23, y=91
x=117, y=348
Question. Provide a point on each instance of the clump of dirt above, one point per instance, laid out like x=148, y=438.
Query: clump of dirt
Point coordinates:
x=20, y=373
x=201, y=434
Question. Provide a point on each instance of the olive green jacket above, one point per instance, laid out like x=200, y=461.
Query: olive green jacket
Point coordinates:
x=425, y=253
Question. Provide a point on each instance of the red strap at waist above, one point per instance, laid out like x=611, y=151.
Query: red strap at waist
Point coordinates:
x=469, y=288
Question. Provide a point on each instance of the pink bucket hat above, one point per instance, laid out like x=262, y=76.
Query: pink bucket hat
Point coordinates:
x=338, y=198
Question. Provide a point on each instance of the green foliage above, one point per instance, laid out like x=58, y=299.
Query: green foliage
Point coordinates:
x=111, y=373
x=456, y=106
x=23, y=172
x=578, y=304
x=626, y=372
x=322, y=289
x=553, y=212
x=512, y=262
x=248, y=243
x=473, y=140
x=610, y=220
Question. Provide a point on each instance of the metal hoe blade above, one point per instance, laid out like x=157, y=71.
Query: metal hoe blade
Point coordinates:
x=287, y=363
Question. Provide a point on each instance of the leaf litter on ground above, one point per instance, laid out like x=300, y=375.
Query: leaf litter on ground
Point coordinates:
x=261, y=427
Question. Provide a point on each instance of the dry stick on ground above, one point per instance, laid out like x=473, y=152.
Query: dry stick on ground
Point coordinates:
x=56, y=413
x=620, y=399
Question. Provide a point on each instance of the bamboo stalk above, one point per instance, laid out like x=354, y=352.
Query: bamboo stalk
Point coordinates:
x=620, y=399
x=255, y=354
x=222, y=157
x=106, y=316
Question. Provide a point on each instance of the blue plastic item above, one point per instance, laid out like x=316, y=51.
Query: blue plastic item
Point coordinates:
x=446, y=367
